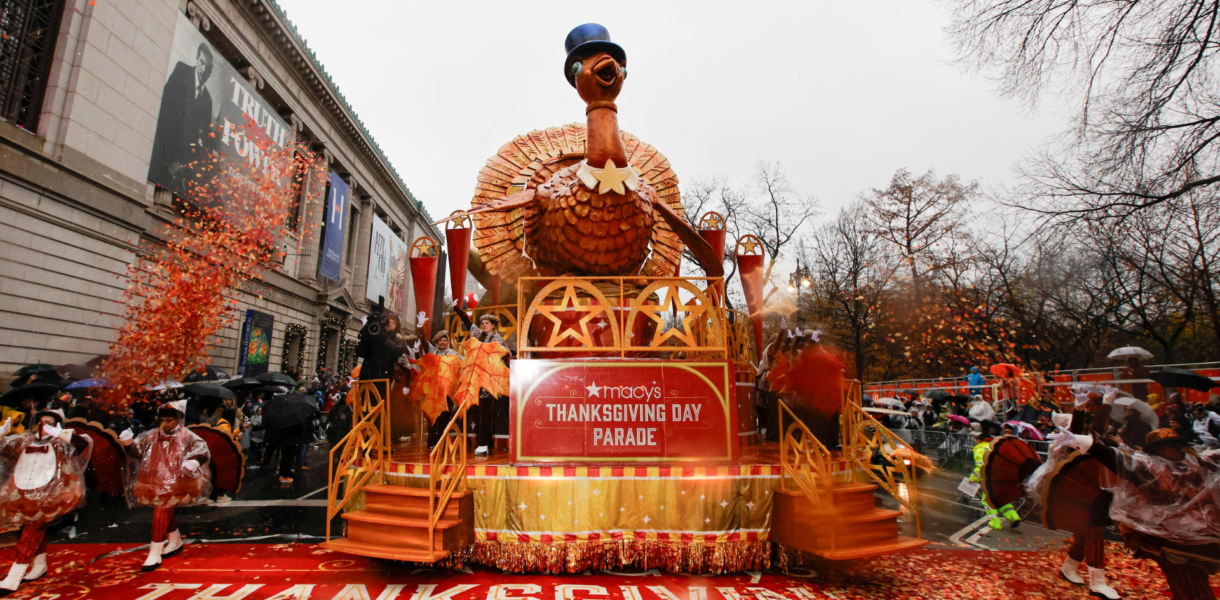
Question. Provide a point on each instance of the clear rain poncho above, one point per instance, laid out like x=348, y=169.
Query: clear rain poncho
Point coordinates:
x=160, y=478
x=1177, y=501
x=42, y=479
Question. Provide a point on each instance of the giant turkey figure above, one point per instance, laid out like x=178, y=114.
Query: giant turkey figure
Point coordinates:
x=595, y=217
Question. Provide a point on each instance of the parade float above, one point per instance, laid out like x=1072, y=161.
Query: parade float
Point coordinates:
x=632, y=436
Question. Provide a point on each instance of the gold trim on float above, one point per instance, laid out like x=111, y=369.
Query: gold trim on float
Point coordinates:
x=730, y=428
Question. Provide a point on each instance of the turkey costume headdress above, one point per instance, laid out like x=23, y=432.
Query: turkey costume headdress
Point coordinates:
x=42, y=475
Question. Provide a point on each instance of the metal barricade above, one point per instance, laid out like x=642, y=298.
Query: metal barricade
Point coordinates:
x=952, y=450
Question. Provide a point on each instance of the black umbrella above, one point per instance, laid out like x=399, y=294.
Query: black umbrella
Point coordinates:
x=97, y=361
x=31, y=369
x=207, y=373
x=243, y=383
x=1183, y=378
x=289, y=411
x=37, y=390
x=271, y=378
x=77, y=372
x=214, y=390
x=939, y=395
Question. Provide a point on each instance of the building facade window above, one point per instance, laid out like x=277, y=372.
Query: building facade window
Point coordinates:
x=27, y=46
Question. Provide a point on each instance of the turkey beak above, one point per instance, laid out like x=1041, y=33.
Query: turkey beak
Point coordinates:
x=607, y=71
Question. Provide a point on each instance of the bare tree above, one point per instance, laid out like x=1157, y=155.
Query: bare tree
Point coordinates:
x=851, y=274
x=1143, y=77
x=775, y=213
x=915, y=214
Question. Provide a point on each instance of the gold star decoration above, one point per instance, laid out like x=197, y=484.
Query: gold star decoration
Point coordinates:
x=424, y=246
x=685, y=334
x=561, y=331
x=748, y=245
x=611, y=178
x=712, y=220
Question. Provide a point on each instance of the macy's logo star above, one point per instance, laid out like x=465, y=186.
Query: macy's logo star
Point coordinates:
x=594, y=390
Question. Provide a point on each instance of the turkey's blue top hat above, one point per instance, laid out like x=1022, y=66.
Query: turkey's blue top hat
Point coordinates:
x=587, y=39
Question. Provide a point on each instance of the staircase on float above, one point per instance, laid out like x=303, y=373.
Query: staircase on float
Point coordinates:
x=394, y=525
x=859, y=528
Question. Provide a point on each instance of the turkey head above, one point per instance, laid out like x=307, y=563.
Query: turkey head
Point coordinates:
x=596, y=216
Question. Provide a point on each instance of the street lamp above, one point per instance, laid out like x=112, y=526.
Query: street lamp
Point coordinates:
x=799, y=277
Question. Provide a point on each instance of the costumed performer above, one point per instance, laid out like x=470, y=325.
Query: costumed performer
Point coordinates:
x=171, y=470
x=1164, y=502
x=982, y=444
x=816, y=381
x=43, y=473
x=435, y=382
x=1090, y=417
x=485, y=333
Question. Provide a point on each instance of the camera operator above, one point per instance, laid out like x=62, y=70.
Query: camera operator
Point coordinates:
x=379, y=344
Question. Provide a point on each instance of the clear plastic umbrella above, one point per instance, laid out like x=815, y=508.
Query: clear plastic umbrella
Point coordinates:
x=1126, y=351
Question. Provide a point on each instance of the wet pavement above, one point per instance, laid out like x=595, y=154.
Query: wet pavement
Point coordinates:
x=266, y=511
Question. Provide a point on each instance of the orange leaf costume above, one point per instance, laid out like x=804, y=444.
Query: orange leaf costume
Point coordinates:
x=437, y=379
x=482, y=368
x=778, y=375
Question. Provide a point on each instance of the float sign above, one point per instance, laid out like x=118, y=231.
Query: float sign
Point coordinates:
x=622, y=412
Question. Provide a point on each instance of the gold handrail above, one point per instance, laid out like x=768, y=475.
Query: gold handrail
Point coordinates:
x=447, y=470
x=859, y=445
x=364, y=450
x=807, y=463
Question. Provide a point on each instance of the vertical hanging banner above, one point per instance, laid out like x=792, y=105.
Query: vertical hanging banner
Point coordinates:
x=387, y=268
x=457, y=242
x=335, y=221
x=424, y=261
x=712, y=230
x=750, y=259
x=254, y=354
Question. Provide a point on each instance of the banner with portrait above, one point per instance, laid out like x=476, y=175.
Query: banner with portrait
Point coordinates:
x=387, y=267
x=254, y=354
x=214, y=131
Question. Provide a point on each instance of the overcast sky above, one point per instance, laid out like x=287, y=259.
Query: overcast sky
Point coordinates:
x=840, y=93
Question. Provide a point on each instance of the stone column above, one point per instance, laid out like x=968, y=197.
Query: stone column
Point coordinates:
x=360, y=262
x=311, y=220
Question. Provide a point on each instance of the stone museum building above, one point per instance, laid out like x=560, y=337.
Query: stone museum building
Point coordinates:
x=99, y=99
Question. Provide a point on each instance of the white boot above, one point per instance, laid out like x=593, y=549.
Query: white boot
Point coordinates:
x=173, y=544
x=154, y=557
x=13, y=580
x=1098, y=586
x=480, y=451
x=38, y=568
x=1071, y=571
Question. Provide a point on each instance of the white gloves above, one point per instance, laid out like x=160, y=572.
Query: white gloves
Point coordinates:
x=1109, y=398
x=126, y=435
x=416, y=347
x=1066, y=439
x=8, y=425
x=420, y=319
x=406, y=391
x=52, y=430
x=1061, y=419
x=191, y=466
